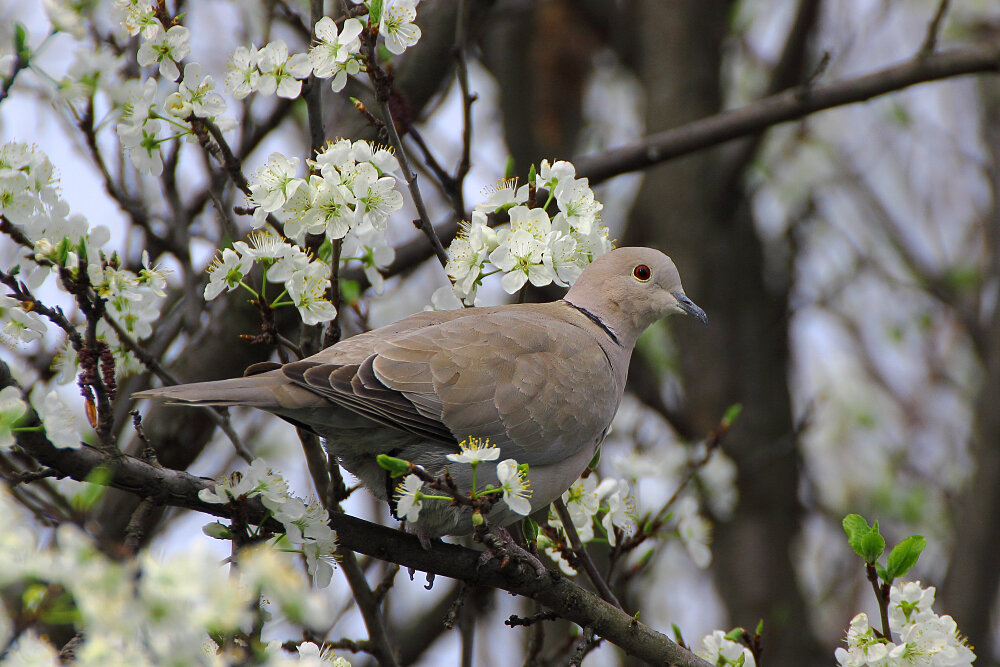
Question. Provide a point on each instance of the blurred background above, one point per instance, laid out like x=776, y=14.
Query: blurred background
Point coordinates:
x=849, y=263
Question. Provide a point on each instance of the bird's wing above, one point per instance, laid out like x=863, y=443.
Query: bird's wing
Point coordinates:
x=537, y=386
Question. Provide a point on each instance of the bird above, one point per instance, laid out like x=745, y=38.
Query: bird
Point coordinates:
x=540, y=381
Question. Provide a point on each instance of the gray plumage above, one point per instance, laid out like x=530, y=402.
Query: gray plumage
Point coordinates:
x=541, y=381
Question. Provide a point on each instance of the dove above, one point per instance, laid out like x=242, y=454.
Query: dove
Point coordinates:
x=541, y=381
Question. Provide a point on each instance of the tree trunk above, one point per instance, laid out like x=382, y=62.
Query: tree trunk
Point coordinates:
x=743, y=355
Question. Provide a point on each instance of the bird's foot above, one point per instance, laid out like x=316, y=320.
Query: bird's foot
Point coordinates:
x=500, y=545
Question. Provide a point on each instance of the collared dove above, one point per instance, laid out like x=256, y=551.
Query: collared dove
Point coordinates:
x=542, y=381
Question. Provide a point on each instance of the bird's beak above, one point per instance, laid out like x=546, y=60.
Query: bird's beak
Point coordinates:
x=689, y=307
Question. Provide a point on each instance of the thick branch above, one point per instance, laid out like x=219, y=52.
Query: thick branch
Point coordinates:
x=784, y=107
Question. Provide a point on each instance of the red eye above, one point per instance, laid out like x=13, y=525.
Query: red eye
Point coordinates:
x=642, y=272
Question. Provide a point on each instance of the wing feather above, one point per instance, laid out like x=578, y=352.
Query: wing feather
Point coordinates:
x=541, y=388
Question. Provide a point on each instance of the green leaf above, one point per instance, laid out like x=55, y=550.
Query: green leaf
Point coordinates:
x=396, y=467
x=678, y=637
x=350, y=291
x=531, y=174
x=872, y=545
x=374, y=12
x=904, y=556
x=732, y=412
x=864, y=539
x=880, y=571
x=508, y=170
x=21, y=43
x=760, y=628
x=94, y=489
x=530, y=529
x=856, y=527
x=594, y=461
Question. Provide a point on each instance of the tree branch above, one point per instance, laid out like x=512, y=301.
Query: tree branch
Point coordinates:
x=790, y=105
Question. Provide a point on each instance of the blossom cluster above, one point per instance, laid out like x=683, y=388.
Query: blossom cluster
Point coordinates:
x=605, y=504
x=145, y=611
x=335, y=54
x=350, y=186
x=349, y=194
x=922, y=638
x=149, y=118
x=547, y=241
x=512, y=478
x=306, y=524
x=64, y=242
x=658, y=465
x=305, y=279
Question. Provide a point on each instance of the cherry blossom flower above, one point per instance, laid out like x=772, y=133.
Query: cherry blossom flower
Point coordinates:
x=408, y=502
x=165, y=49
x=397, y=25
x=515, y=487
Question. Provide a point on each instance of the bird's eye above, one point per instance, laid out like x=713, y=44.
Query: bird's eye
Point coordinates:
x=642, y=273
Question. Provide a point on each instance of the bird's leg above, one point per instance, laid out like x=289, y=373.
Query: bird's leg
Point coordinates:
x=500, y=544
x=425, y=540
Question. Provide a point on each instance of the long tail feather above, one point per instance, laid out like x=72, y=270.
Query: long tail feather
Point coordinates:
x=256, y=391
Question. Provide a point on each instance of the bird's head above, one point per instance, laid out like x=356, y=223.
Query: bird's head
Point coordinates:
x=630, y=288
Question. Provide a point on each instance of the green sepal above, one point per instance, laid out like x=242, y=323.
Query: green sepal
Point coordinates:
x=396, y=467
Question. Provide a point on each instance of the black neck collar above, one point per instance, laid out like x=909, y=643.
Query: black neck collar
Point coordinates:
x=596, y=320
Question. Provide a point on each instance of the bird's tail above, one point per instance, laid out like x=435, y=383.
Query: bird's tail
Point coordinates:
x=257, y=391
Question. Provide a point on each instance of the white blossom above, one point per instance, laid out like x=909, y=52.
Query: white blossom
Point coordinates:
x=12, y=408
x=397, y=25
x=515, y=487
x=582, y=503
x=716, y=649
x=165, y=49
x=242, y=76
x=695, y=531
x=475, y=450
x=307, y=290
x=377, y=198
x=332, y=49
x=143, y=145
x=504, y=195
x=279, y=72
x=616, y=493
x=276, y=183
x=62, y=426
x=196, y=94
x=226, y=273
x=408, y=502
x=18, y=326
x=519, y=256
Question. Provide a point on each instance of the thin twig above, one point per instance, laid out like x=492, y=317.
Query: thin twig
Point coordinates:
x=383, y=91
x=934, y=28
x=218, y=415
x=581, y=552
x=462, y=72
